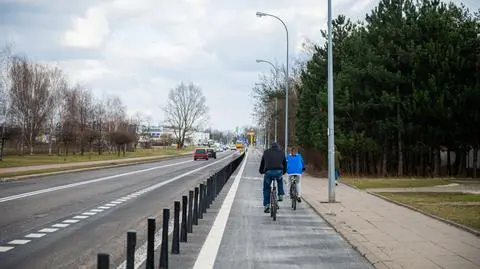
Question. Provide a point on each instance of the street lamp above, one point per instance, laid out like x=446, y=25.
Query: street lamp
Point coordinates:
x=276, y=98
x=263, y=14
x=330, y=130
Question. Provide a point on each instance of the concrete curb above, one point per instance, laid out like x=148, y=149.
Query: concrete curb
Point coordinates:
x=107, y=165
x=457, y=225
x=365, y=252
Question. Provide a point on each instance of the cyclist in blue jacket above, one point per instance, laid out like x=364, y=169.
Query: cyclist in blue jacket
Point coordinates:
x=295, y=166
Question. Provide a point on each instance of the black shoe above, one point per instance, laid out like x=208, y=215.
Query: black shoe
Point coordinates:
x=299, y=200
x=267, y=209
x=280, y=198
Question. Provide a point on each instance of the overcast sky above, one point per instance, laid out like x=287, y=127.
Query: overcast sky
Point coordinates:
x=140, y=49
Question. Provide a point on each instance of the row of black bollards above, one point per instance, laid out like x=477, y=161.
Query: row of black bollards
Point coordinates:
x=192, y=209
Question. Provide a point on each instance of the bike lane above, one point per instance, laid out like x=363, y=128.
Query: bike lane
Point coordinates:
x=243, y=236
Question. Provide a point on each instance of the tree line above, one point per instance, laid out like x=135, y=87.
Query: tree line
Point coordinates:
x=406, y=92
x=41, y=111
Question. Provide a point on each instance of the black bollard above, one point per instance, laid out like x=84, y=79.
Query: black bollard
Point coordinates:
x=183, y=231
x=209, y=192
x=103, y=261
x=150, y=263
x=201, y=202
x=164, y=247
x=204, y=205
x=176, y=228
x=190, y=212
x=131, y=242
x=195, y=207
x=217, y=184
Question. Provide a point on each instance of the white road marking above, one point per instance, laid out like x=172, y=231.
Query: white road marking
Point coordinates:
x=5, y=249
x=71, y=221
x=89, y=213
x=48, y=230
x=67, y=186
x=110, y=205
x=18, y=242
x=34, y=235
x=116, y=202
x=97, y=210
x=208, y=253
x=104, y=207
x=80, y=217
x=60, y=225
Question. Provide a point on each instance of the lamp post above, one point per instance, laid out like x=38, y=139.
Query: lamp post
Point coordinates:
x=276, y=98
x=262, y=14
x=330, y=131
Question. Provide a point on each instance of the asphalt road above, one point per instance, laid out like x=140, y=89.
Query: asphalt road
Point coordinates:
x=63, y=221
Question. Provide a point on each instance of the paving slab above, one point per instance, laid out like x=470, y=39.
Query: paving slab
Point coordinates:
x=392, y=236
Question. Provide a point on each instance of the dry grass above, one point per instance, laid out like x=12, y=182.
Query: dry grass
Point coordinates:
x=458, y=207
x=42, y=159
x=370, y=183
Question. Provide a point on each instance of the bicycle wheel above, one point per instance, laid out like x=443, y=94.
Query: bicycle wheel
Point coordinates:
x=293, y=195
x=273, y=204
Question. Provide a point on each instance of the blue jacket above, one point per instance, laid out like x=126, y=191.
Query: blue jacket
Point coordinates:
x=295, y=164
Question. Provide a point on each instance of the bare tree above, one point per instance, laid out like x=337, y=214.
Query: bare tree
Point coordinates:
x=30, y=97
x=58, y=85
x=185, y=111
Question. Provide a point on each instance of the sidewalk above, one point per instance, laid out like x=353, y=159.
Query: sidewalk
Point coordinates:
x=392, y=236
x=81, y=164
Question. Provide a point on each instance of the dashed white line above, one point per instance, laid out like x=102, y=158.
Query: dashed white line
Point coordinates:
x=104, y=207
x=34, y=235
x=96, y=210
x=89, y=213
x=48, y=230
x=111, y=205
x=5, y=249
x=60, y=225
x=116, y=202
x=71, y=221
x=80, y=217
x=18, y=242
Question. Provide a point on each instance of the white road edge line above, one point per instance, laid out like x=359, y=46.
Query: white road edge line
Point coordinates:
x=32, y=193
x=48, y=230
x=208, y=254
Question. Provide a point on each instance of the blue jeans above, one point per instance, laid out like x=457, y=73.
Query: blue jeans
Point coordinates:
x=267, y=181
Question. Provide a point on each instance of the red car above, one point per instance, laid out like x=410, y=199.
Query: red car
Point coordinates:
x=200, y=154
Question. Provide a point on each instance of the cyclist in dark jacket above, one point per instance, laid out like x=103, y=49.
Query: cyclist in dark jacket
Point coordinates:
x=274, y=166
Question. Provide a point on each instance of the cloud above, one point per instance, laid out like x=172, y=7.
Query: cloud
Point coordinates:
x=141, y=49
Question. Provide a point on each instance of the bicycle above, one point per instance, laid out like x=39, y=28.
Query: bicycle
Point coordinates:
x=273, y=199
x=293, y=190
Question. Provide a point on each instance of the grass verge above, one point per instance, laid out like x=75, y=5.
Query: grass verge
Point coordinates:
x=44, y=159
x=370, y=183
x=457, y=207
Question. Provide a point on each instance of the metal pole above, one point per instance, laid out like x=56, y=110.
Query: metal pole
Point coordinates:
x=287, y=82
x=330, y=131
x=276, y=111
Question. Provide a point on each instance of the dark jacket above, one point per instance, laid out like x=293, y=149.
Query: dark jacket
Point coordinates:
x=273, y=159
